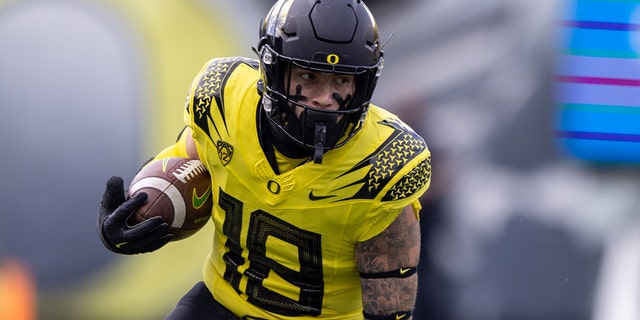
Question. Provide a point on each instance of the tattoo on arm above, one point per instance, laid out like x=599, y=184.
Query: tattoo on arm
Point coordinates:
x=396, y=247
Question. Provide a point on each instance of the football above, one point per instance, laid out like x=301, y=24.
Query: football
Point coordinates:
x=178, y=190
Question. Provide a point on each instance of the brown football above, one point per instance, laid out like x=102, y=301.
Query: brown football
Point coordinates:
x=178, y=190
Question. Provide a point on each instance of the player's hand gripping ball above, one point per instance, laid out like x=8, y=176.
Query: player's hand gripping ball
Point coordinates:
x=178, y=190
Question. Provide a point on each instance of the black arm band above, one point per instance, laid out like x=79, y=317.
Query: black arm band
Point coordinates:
x=398, y=273
x=402, y=315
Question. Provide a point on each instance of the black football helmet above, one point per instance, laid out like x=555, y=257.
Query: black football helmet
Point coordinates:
x=336, y=36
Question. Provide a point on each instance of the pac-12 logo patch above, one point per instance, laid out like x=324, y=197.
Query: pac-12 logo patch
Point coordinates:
x=225, y=152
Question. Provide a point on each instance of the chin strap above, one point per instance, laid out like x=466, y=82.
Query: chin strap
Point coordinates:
x=319, y=139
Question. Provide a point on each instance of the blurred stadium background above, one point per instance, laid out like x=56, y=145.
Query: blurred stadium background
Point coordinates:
x=530, y=109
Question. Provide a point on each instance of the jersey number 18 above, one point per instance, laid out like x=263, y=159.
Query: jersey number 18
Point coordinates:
x=263, y=225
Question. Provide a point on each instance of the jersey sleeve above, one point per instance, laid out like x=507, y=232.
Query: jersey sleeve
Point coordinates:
x=401, y=170
x=213, y=101
x=384, y=213
x=197, y=103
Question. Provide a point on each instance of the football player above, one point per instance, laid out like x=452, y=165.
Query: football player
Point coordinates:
x=316, y=189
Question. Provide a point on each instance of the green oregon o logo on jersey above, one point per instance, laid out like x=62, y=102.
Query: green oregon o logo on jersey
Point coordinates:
x=333, y=58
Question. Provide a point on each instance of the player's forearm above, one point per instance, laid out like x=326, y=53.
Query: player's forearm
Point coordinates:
x=388, y=269
x=393, y=297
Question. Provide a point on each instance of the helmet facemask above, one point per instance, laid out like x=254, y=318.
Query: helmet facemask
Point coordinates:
x=313, y=129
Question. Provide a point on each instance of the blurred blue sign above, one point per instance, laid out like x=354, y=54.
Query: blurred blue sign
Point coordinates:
x=598, y=81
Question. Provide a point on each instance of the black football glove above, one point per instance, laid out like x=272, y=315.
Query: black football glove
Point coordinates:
x=120, y=237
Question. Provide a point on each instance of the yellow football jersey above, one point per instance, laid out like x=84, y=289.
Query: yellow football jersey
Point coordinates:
x=284, y=244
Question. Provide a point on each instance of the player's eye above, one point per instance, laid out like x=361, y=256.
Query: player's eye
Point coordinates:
x=343, y=80
x=307, y=76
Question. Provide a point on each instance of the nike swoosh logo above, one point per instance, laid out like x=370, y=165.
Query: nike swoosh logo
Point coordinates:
x=398, y=317
x=313, y=197
x=403, y=271
x=164, y=164
x=198, y=201
x=120, y=244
